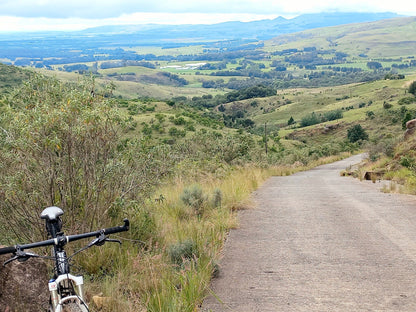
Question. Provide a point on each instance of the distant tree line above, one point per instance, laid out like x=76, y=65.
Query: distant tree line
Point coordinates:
x=208, y=101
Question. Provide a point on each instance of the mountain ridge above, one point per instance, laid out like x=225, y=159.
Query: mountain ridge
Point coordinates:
x=256, y=30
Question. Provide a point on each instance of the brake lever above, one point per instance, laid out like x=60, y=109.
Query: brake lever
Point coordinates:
x=102, y=239
x=110, y=240
x=21, y=256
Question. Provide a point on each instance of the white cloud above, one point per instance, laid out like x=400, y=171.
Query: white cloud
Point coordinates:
x=80, y=14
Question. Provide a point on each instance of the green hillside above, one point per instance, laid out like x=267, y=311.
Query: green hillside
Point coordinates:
x=382, y=39
x=11, y=76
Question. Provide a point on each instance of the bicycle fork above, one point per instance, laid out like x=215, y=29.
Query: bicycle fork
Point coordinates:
x=56, y=298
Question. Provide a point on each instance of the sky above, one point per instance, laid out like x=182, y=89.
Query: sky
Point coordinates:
x=38, y=15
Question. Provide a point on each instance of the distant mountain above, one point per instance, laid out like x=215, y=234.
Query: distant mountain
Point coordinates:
x=256, y=30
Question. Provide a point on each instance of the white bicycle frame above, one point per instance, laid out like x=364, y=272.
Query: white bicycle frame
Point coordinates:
x=58, y=302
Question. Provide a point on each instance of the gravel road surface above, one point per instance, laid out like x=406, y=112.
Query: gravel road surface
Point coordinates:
x=317, y=241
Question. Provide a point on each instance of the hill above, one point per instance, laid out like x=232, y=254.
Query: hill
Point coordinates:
x=381, y=39
x=11, y=76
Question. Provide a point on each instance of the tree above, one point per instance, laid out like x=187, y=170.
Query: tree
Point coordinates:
x=357, y=133
x=374, y=65
x=291, y=121
x=412, y=88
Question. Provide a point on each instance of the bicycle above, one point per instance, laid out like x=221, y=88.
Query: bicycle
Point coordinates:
x=66, y=290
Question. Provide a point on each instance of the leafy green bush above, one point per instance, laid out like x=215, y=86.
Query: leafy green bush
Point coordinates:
x=407, y=161
x=332, y=115
x=357, y=133
x=310, y=120
x=407, y=100
x=314, y=118
x=408, y=116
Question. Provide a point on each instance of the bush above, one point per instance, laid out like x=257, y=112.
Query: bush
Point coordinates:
x=217, y=197
x=407, y=161
x=332, y=115
x=182, y=252
x=194, y=197
x=61, y=146
x=408, y=116
x=357, y=133
x=387, y=105
x=310, y=120
x=412, y=88
x=407, y=100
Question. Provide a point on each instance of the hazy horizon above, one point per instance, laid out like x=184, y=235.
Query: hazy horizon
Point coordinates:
x=47, y=15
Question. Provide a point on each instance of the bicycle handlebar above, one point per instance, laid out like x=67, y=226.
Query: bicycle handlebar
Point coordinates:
x=63, y=239
x=7, y=250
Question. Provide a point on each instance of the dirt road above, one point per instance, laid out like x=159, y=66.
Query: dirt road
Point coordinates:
x=320, y=242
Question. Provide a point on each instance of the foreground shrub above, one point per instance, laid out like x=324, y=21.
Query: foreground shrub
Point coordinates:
x=194, y=196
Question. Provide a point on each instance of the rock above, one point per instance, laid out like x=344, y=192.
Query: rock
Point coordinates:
x=411, y=124
x=101, y=302
x=374, y=175
x=409, y=133
x=23, y=286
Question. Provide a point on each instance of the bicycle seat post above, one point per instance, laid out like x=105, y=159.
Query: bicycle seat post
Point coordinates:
x=51, y=215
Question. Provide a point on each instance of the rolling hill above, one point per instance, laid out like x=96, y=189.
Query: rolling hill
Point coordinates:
x=386, y=38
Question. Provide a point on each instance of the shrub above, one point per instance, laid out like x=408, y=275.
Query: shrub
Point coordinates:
x=217, y=197
x=194, y=197
x=405, y=119
x=370, y=114
x=310, y=120
x=61, y=146
x=332, y=115
x=182, y=252
x=387, y=105
x=357, y=133
x=407, y=161
x=407, y=100
x=412, y=88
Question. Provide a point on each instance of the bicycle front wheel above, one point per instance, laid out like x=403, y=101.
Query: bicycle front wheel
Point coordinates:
x=72, y=304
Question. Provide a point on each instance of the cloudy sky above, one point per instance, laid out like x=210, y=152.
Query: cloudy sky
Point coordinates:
x=32, y=15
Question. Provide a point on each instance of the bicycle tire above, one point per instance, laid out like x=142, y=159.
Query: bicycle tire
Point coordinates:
x=73, y=307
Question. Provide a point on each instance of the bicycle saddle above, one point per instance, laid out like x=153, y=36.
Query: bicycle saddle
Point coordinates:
x=51, y=213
